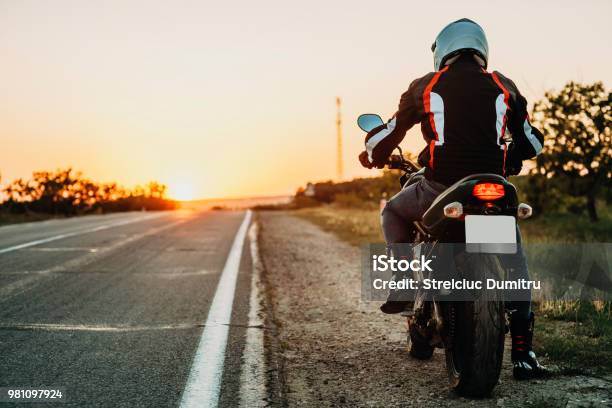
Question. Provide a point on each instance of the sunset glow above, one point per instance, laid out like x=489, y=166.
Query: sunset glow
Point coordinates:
x=240, y=98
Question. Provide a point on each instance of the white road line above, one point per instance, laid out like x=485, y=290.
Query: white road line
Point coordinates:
x=253, y=371
x=204, y=382
x=74, y=233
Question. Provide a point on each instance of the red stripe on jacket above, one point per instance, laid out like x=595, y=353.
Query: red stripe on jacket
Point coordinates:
x=427, y=106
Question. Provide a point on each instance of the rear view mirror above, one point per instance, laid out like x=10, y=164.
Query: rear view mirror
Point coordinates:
x=369, y=121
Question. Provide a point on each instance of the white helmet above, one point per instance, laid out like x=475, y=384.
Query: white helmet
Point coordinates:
x=460, y=36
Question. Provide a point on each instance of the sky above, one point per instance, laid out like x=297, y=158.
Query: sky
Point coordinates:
x=237, y=98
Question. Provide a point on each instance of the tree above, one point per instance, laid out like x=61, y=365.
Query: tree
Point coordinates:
x=156, y=190
x=577, y=145
x=69, y=193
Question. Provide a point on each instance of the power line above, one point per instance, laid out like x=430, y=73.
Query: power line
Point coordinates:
x=339, y=164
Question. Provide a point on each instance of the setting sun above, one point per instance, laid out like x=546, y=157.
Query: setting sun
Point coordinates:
x=181, y=190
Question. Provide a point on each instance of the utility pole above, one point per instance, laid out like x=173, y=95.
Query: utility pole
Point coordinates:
x=339, y=166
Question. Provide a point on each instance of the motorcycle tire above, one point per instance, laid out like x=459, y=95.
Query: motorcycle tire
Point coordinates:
x=475, y=348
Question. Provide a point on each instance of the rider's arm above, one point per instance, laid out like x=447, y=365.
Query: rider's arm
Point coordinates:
x=381, y=141
x=527, y=139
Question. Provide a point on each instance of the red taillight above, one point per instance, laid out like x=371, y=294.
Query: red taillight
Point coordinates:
x=488, y=191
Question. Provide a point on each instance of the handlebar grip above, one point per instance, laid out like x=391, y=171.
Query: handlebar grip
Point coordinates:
x=395, y=161
x=399, y=162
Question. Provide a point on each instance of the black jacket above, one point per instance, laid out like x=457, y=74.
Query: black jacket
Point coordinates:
x=464, y=112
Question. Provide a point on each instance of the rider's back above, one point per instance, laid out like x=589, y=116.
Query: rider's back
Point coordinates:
x=464, y=112
x=464, y=121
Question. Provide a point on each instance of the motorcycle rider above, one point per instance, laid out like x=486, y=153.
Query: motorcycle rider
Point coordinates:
x=465, y=113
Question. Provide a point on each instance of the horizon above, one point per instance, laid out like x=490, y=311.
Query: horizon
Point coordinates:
x=238, y=100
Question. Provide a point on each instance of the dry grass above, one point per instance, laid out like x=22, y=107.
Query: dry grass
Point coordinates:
x=575, y=335
x=568, y=227
x=356, y=226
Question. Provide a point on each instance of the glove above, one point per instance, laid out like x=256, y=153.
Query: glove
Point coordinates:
x=363, y=159
x=363, y=156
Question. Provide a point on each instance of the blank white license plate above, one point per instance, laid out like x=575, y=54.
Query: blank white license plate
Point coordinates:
x=493, y=234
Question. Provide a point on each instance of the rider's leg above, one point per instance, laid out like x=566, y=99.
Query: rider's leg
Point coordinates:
x=516, y=267
x=524, y=360
x=397, y=217
x=406, y=207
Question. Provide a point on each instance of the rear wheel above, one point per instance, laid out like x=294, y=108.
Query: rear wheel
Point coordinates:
x=475, y=346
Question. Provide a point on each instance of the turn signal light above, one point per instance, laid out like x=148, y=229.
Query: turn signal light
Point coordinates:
x=488, y=191
x=524, y=211
x=453, y=210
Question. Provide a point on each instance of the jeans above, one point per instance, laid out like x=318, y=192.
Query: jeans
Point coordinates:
x=412, y=202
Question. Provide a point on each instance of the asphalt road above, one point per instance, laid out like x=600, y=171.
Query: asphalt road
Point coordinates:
x=113, y=308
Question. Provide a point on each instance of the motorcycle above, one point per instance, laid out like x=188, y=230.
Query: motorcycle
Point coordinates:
x=474, y=215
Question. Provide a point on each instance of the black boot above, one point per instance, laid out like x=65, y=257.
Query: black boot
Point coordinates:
x=524, y=360
x=399, y=300
x=392, y=306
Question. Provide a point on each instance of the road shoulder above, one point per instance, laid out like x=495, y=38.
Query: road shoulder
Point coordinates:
x=336, y=350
